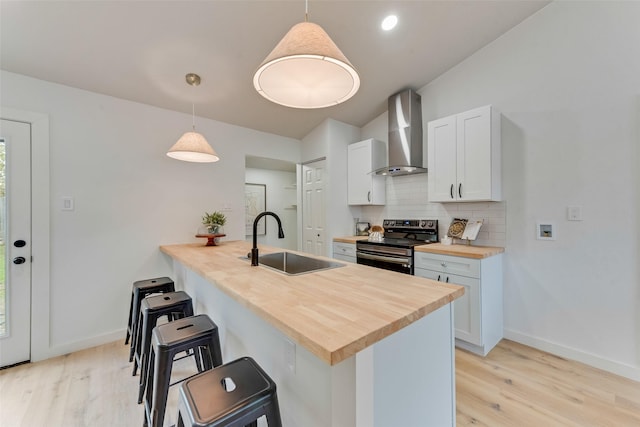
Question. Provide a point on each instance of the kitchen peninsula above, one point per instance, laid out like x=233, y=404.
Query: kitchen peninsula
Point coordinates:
x=348, y=346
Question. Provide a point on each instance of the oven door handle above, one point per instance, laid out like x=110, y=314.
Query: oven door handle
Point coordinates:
x=404, y=261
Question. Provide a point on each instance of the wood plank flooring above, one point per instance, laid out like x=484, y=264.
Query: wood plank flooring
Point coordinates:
x=514, y=385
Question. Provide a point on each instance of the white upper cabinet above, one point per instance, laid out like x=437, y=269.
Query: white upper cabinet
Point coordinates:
x=464, y=157
x=365, y=187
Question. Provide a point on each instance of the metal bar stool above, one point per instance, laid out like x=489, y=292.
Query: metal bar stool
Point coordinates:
x=235, y=394
x=139, y=290
x=174, y=305
x=196, y=334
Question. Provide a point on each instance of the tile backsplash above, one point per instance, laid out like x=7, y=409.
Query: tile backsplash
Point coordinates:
x=407, y=198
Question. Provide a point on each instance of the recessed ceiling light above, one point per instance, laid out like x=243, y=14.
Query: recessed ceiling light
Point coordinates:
x=389, y=22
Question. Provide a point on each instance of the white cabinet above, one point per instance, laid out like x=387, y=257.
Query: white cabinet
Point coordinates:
x=478, y=313
x=344, y=251
x=364, y=187
x=464, y=157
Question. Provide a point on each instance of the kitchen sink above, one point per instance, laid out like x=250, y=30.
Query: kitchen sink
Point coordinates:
x=293, y=264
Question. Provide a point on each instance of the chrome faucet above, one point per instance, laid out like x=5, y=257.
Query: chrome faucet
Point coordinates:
x=254, y=249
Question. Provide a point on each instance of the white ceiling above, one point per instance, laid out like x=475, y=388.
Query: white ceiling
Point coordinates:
x=141, y=50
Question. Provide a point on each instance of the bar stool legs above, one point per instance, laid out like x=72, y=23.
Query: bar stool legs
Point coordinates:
x=172, y=304
x=139, y=290
x=198, y=334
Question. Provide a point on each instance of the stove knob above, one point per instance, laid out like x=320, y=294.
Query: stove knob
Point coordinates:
x=423, y=223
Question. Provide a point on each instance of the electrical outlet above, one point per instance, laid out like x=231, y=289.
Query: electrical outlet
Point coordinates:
x=290, y=355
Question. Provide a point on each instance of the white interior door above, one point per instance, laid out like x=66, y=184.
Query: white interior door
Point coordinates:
x=15, y=242
x=313, y=211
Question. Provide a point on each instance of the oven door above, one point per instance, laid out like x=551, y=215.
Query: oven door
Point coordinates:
x=394, y=259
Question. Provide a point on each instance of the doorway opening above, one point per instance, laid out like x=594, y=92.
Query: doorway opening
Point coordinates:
x=271, y=185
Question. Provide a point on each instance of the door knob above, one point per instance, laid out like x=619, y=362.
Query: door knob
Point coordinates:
x=19, y=243
x=19, y=260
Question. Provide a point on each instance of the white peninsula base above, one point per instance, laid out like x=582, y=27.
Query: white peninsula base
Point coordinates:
x=406, y=379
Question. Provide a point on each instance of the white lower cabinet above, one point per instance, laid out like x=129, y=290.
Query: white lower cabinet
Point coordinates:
x=478, y=313
x=344, y=251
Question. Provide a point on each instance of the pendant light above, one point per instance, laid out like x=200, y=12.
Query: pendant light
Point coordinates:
x=306, y=70
x=192, y=146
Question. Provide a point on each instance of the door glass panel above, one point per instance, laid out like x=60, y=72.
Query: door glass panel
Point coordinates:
x=3, y=258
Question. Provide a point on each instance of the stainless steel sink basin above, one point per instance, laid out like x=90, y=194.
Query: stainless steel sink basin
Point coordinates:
x=293, y=264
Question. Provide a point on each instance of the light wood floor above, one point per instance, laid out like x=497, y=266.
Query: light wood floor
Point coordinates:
x=514, y=386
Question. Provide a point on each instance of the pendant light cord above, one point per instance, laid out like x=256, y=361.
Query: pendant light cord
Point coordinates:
x=306, y=10
x=193, y=116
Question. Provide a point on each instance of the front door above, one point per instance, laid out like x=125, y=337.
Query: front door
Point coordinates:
x=313, y=212
x=15, y=242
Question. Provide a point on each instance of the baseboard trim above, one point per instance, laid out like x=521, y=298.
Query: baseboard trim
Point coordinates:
x=624, y=370
x=72, y=347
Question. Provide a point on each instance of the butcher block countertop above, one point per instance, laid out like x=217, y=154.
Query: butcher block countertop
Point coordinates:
x=332, y=313
x=466, y=251
x=349, y=239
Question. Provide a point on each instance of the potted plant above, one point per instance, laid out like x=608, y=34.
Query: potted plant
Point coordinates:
x=213, y=221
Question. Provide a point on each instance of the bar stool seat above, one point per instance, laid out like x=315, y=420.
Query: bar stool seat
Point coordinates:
x=139, y=290
x=174, y=305
x=235, y=394
x=197, y=334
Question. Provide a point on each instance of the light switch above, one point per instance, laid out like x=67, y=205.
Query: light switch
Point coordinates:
x=574, y=213
x=67, y=204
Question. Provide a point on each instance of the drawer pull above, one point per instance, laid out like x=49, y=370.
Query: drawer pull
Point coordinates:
x=444, y=264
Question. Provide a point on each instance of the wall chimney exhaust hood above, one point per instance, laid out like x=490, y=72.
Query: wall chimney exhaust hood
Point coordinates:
x=405, y=135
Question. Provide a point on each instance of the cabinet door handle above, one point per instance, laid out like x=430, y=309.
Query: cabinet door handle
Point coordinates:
x=438, y=277
x=451, y=191
x=460, y=190
x=369, y=196
x=447, y=279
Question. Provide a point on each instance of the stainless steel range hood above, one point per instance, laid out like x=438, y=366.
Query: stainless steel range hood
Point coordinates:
x=405, y=135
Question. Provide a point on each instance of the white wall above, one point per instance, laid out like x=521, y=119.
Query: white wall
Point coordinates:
x=281, y=200
x=109, y=155
x=567, y=81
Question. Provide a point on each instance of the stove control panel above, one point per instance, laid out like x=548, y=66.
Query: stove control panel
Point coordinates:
x=424, y=224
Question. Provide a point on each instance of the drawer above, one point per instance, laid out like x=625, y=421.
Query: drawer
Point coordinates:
x=345, y=258
x=345, y=249
x=467, y=267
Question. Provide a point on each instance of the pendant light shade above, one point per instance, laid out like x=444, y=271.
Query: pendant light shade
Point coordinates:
x=306, y=70
x=193, y=147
